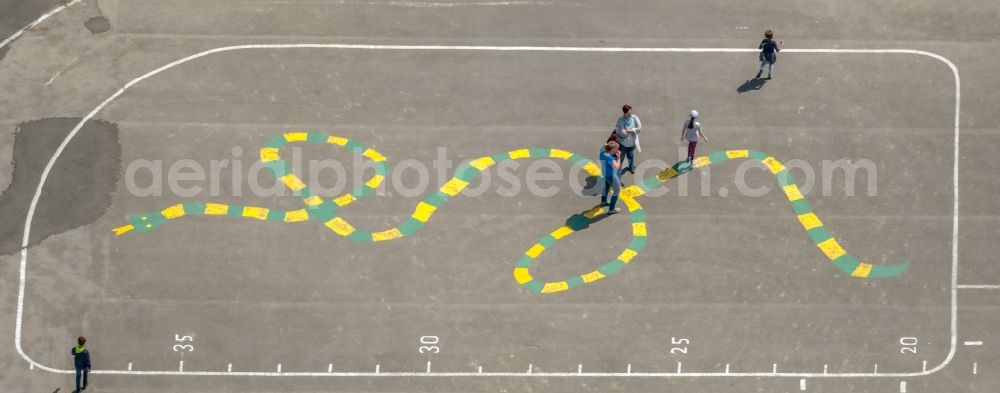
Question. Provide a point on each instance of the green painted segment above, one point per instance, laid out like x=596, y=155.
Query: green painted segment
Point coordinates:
x=355, y=147
x=539, y=153
x=818, y=234
x=577, y=159
x=235, y=211
x=317, y=137
x=438, y=198
x=381, y=168
x=466, y=173
x=276, y=142
x=524, y=262
x=801, y=206
x=410, y=226
x=276, y=215
x=194, y=208
x=361, y=236
x=638, y=215
x=785, y=178
x=305, y=192
x=758, y=155
x=879, y=271
x=717, y=157
x=500, y=157
x=650, y=183
x=534, y=286
x=278, y=168
x=846, y=263
x=362, y=191
x=547, y=241
x=575, y=282
x=147, y=221
x=637, y=243
x=578, y=222
x=323, y=212
x=611, y=268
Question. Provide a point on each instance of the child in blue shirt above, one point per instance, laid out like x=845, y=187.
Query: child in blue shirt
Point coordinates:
x=612, y=181
x=768, y=53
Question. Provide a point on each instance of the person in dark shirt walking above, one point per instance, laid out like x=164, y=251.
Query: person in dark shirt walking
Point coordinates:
x=768, y=53
x=81, y=360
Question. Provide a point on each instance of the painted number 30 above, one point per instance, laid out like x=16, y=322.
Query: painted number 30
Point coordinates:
x=429, y=344
x=183, y=347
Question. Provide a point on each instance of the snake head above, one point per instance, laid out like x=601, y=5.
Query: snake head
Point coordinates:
x=143, y=222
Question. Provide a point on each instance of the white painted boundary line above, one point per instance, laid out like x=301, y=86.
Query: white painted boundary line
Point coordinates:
x=36, y=22
x=76, y=129
x=970, y=286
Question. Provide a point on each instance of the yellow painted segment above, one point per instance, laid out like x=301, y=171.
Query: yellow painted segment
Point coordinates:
x=482, y=163
x=535, y=250
x=373, y=155
x=423, y=211
x=774, y=165
x=562, y=232
x=551, y=287
x=592, y=169
x=296, y=136
x=386, y=235
x=340, y=226
x=627, y=255
x=173, y=212
x=792, y=192
x=597, y=210
x=296, y=215
x=668, y=174
x=292, y=182
x=631, y=204
x=863, y=270
x=831, y=248
x=701, y=161
x=454, y=186
x=522, y=275
x=123, y=229
x=809, y=221
x=268, y=154
x=592, y=276
x=313, y=200
x=216, y=209
x=519, y=153
x=345, y=200
x=375, y=181
x=632, y=191
x=259, y=213
x=336, y=140
x=556, y=153
x=737, y=153
x=638, y=229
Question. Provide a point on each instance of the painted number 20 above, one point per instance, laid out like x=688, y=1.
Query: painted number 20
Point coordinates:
x=429, y=344
x=909, y=345
x=183, y=347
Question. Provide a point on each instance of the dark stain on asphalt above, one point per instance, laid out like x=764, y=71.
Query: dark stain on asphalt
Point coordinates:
x=79, y=188
x=97, y=25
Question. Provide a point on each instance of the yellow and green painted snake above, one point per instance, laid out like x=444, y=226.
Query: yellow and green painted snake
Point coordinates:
x=325, y=211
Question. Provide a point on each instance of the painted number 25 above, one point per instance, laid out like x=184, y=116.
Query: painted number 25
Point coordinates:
x=183, y=347
x=679, y=345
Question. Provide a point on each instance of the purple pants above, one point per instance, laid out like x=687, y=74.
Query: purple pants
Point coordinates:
x=691, y=147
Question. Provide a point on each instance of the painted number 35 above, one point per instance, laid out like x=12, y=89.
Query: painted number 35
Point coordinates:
x=183, y=347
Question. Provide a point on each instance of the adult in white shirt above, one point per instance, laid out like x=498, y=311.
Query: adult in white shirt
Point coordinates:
x=627, y=130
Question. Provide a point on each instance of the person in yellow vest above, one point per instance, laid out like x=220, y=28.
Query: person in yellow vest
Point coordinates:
x=81, y=360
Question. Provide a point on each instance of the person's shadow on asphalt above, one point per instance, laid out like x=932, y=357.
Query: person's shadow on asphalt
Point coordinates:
x=751, y=85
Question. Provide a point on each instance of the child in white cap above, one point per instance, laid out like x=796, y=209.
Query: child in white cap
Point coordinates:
x=692, y=133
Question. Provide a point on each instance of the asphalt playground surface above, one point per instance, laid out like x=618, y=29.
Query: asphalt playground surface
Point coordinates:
x=729, y=293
